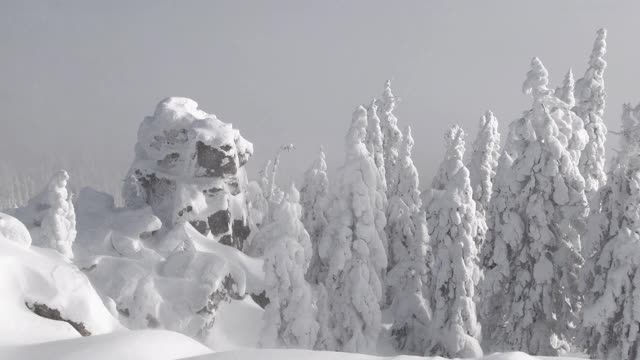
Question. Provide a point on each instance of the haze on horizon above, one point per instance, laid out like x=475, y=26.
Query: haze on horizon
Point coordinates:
x=78, y=77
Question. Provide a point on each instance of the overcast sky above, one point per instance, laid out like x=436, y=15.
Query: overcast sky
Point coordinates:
x=77, y=77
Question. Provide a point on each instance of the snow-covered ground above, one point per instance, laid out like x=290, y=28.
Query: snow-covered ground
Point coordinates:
x=126, y=345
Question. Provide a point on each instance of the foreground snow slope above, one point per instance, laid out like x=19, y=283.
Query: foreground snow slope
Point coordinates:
x=124, y=345
x=38, y=280
x=267, y=354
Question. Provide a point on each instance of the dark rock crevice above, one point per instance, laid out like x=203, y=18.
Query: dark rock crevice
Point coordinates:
x=53, y=314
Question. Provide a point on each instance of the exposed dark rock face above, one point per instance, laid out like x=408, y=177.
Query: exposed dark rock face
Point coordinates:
x=240, y=231
x=189, y=167
x=53, y=314
x=261, y=299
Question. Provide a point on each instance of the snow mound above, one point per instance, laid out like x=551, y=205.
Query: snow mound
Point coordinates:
x=12, y=229
x=154, y=277
x=129, y=345
x=238, y=325
x=268, y=354
x=188, y=166
x=44, y=298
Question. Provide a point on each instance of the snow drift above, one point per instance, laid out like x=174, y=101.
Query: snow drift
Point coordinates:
x=44, y=297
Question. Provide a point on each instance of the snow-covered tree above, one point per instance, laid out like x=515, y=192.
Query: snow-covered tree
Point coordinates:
x=537, y=213
x=566, y=91
x=391, y=135
x=314, y=198
x=590, y=103
x=353, y=249
x=484, y=160
x=289, y=317
x=410, y=283
x=404, y=204
x=374, y=142
x=451, y=220
x=407, y=279
x=611, y=275
x=50, y=216
x=482, y=166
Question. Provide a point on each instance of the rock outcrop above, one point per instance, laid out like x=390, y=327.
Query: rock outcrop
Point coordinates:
x=188, y=167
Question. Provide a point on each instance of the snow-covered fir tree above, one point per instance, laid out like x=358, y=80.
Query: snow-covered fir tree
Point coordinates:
x=314, y=198
x=50, y=216
x=484, y=160
x=353, y=249
x=392, y=137
x=537, y=211
x=482, y=166
x=404, y=204
x=566, y=91
x=374, y=140
x=59, y=220
x=289, y=318
x=611, y=275
x=451, y=220
x=374, y=143
x=408, y=278
x=590, y=103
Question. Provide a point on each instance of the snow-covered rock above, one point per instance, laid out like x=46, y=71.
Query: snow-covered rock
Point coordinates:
x=188, y=166
x=43, y=296
x=155, y=277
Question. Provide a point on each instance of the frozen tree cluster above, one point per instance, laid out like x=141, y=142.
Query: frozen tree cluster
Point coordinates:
x=525, y=242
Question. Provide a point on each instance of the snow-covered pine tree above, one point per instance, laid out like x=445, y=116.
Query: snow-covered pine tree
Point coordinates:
x=566, y=91
x=410, y=280
x=484, y=160
x=59, y=220
x=590, y=103
x=353, y=249
x=289, y=317
x=50, y=216
x=482, y=166
x=611, y=275
x=314, y=198
x=537, y=214
x=374, y=143
x=451, y=220
x=404, y=204
x=392, y=137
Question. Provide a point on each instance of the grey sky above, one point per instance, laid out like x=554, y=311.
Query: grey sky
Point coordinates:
x=77, y=77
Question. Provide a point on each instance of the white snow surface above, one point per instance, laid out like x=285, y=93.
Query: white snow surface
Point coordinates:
x=32, y=275
x=160, y=278
x=125, y=345
x=270, y=354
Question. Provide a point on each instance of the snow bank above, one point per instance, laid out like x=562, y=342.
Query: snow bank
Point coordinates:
x=44, y=298
x=324, y=355
x=188, y=167
x=154, y=277
x=12, y=229
x=129, y=345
